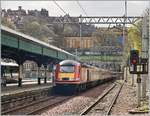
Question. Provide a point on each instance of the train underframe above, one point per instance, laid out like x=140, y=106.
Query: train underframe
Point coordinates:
x=69, y=89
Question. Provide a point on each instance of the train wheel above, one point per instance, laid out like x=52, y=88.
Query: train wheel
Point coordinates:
x=82, y=86
x=78, y=89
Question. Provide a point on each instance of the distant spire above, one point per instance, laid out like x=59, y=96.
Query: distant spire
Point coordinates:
x=19, y=7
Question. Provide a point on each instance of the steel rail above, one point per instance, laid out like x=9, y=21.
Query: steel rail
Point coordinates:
x=25, y=106
x=97, y=101
x=18, y=99
x=36, y=111
x=114, y=100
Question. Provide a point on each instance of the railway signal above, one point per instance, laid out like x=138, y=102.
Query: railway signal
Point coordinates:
x=134, y=69
x=134, y=57
x=138, y=65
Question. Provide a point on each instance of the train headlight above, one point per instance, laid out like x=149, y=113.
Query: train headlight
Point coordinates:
x=77, y=79
x=71, y=79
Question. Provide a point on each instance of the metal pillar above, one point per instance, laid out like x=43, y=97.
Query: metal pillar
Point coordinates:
x=38, y=74
x=45, y=78
x=80, y=24
x=20, y=75
x=144, y=53
x=126, y=73
x=81, y=36
x=138, y=90
x=124, y=29
x=132, y=80
x=124, y=24
x=149, y=56
x=3, y=77
x=53, y=75
x=122, y=69
x=144, y=78
x=76, y=50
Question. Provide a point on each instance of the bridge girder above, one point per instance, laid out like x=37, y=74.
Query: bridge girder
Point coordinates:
x=96, y=20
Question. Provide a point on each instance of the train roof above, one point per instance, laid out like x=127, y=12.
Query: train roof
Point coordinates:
x=73, y=62
x=69, y=62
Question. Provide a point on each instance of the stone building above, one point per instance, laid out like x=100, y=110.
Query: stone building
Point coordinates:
x=37, y=13
x=79, y=43
x=30, y=70
x=19, y=12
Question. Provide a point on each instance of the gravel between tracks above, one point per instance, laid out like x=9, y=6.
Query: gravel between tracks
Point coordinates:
x=126, y=101
x=78, y=103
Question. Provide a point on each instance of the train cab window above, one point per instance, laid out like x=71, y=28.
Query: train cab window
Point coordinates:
x=67, y=69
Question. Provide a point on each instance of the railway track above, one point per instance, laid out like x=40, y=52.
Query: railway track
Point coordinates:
x=37, y=106
x=105, y=102
x=20, y=98
x=16, y=100
x=50, y=105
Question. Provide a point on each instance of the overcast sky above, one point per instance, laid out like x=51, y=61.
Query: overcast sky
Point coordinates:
x=92, y=8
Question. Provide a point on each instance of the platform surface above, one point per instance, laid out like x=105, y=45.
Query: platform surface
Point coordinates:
x=26, y=86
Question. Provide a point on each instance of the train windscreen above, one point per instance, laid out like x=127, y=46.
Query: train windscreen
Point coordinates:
x=67, y=69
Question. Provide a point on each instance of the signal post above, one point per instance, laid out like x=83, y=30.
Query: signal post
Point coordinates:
x=138, y=90
x=138, y=66
x=144, y=52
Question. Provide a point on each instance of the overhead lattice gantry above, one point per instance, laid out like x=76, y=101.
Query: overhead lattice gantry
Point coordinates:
x=97, y=20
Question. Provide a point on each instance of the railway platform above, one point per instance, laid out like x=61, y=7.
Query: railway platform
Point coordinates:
x=14, y=96
x=26, y=87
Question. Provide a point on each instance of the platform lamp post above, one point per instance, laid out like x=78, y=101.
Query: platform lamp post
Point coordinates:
x=124, y=28
x=149, y=55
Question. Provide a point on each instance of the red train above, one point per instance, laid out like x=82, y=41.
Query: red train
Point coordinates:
x=76, y=76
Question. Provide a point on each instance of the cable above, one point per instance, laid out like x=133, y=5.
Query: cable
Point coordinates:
x=60, y=7
x=82, y=8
